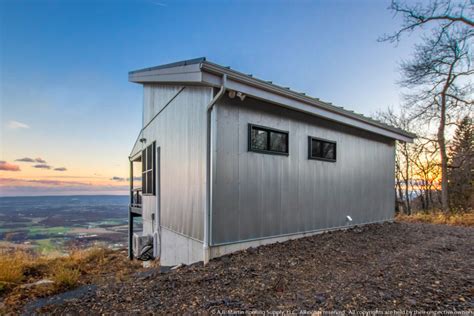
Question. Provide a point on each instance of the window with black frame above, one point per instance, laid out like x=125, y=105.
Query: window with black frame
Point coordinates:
x=321, y=149
x=267, y=140
x=148, y=170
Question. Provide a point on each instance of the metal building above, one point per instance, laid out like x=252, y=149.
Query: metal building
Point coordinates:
x=229, y=161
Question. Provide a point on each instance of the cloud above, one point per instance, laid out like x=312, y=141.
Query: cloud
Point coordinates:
x=6, y=166
x=60, y=169
x=26, y=159
x=121, y=179
x=42, y=166
x=17, y=125
x=161, y=4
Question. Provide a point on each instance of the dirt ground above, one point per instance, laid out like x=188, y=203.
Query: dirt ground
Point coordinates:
x=392, y=266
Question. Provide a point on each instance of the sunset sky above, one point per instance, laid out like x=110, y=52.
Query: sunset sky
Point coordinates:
x=67, y=107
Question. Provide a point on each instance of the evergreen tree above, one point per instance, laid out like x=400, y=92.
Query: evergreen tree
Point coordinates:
x=461, y=171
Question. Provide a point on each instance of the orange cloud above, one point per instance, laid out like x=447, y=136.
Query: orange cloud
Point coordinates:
x=6, y=166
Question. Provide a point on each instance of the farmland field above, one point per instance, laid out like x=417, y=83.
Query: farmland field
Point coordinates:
x=54, y=224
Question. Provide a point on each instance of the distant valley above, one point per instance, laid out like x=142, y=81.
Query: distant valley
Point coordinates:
x=55, y=224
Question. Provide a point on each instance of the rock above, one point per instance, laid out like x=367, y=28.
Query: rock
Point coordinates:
x=320, y=298
x=411, y=301
x=177, y=267
x=38, y=283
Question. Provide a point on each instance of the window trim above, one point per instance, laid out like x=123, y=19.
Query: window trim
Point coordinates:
x=268, y=129
x=310, y=149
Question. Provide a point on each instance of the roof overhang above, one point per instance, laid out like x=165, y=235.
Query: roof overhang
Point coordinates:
x=201, y=72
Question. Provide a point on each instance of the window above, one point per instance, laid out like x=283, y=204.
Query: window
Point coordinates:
x=148, y=170
x=321, y=149
x=268, y=140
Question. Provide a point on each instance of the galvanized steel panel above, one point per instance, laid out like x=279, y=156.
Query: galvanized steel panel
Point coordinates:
x=155, y=98
x=180, y=132
x=260, y=195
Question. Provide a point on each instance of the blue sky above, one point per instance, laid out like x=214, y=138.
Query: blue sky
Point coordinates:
x=64, y=67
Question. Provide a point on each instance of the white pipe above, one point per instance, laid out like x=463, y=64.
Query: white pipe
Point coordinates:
x=219, y=94
x=207, y=215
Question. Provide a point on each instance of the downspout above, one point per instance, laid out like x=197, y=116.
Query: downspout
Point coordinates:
x=207, y=215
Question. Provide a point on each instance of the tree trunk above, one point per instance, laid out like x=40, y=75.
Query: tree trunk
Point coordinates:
x=407, y=180
x=427, y=195
x=400, y=197
x=444, y=156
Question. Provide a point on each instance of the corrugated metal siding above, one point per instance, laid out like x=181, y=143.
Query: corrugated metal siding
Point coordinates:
x=259, y=195
x=155, y=97
x=180, y=131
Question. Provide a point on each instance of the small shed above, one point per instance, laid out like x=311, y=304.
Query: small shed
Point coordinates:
x=228, y=161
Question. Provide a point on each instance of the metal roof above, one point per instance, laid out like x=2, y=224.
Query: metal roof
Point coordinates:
x=171, y=65
x=214, y=68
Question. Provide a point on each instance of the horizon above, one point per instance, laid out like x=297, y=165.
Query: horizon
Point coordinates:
x=63, y=195
x=70, y=117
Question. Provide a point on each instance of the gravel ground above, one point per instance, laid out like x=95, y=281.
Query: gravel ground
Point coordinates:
x=392, y=266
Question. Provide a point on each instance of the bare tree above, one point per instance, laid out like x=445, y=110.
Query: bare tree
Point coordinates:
x=402, y=159
x=438, y=79
x=426, y=171
x=438, y=74
x=440, y=14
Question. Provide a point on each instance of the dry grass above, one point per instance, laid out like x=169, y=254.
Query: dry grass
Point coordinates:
x=19, y=270
x=66, y=277
x=12, y=265
x=438, y=217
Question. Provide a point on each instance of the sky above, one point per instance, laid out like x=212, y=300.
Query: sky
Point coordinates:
x=66, y=104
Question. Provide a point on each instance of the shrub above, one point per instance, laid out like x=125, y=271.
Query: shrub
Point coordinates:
x=94, y=254
x=438, y=217
x=12, y=265
x=66, y=277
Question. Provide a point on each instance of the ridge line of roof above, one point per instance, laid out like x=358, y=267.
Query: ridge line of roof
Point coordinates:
x=327, y=105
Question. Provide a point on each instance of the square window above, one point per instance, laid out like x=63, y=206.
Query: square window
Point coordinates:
x=320, y=149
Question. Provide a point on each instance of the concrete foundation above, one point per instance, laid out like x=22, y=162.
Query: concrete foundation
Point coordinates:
x=178, y=249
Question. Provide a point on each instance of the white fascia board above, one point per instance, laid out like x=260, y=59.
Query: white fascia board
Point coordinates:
x=182, y=74
x=293, y=104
